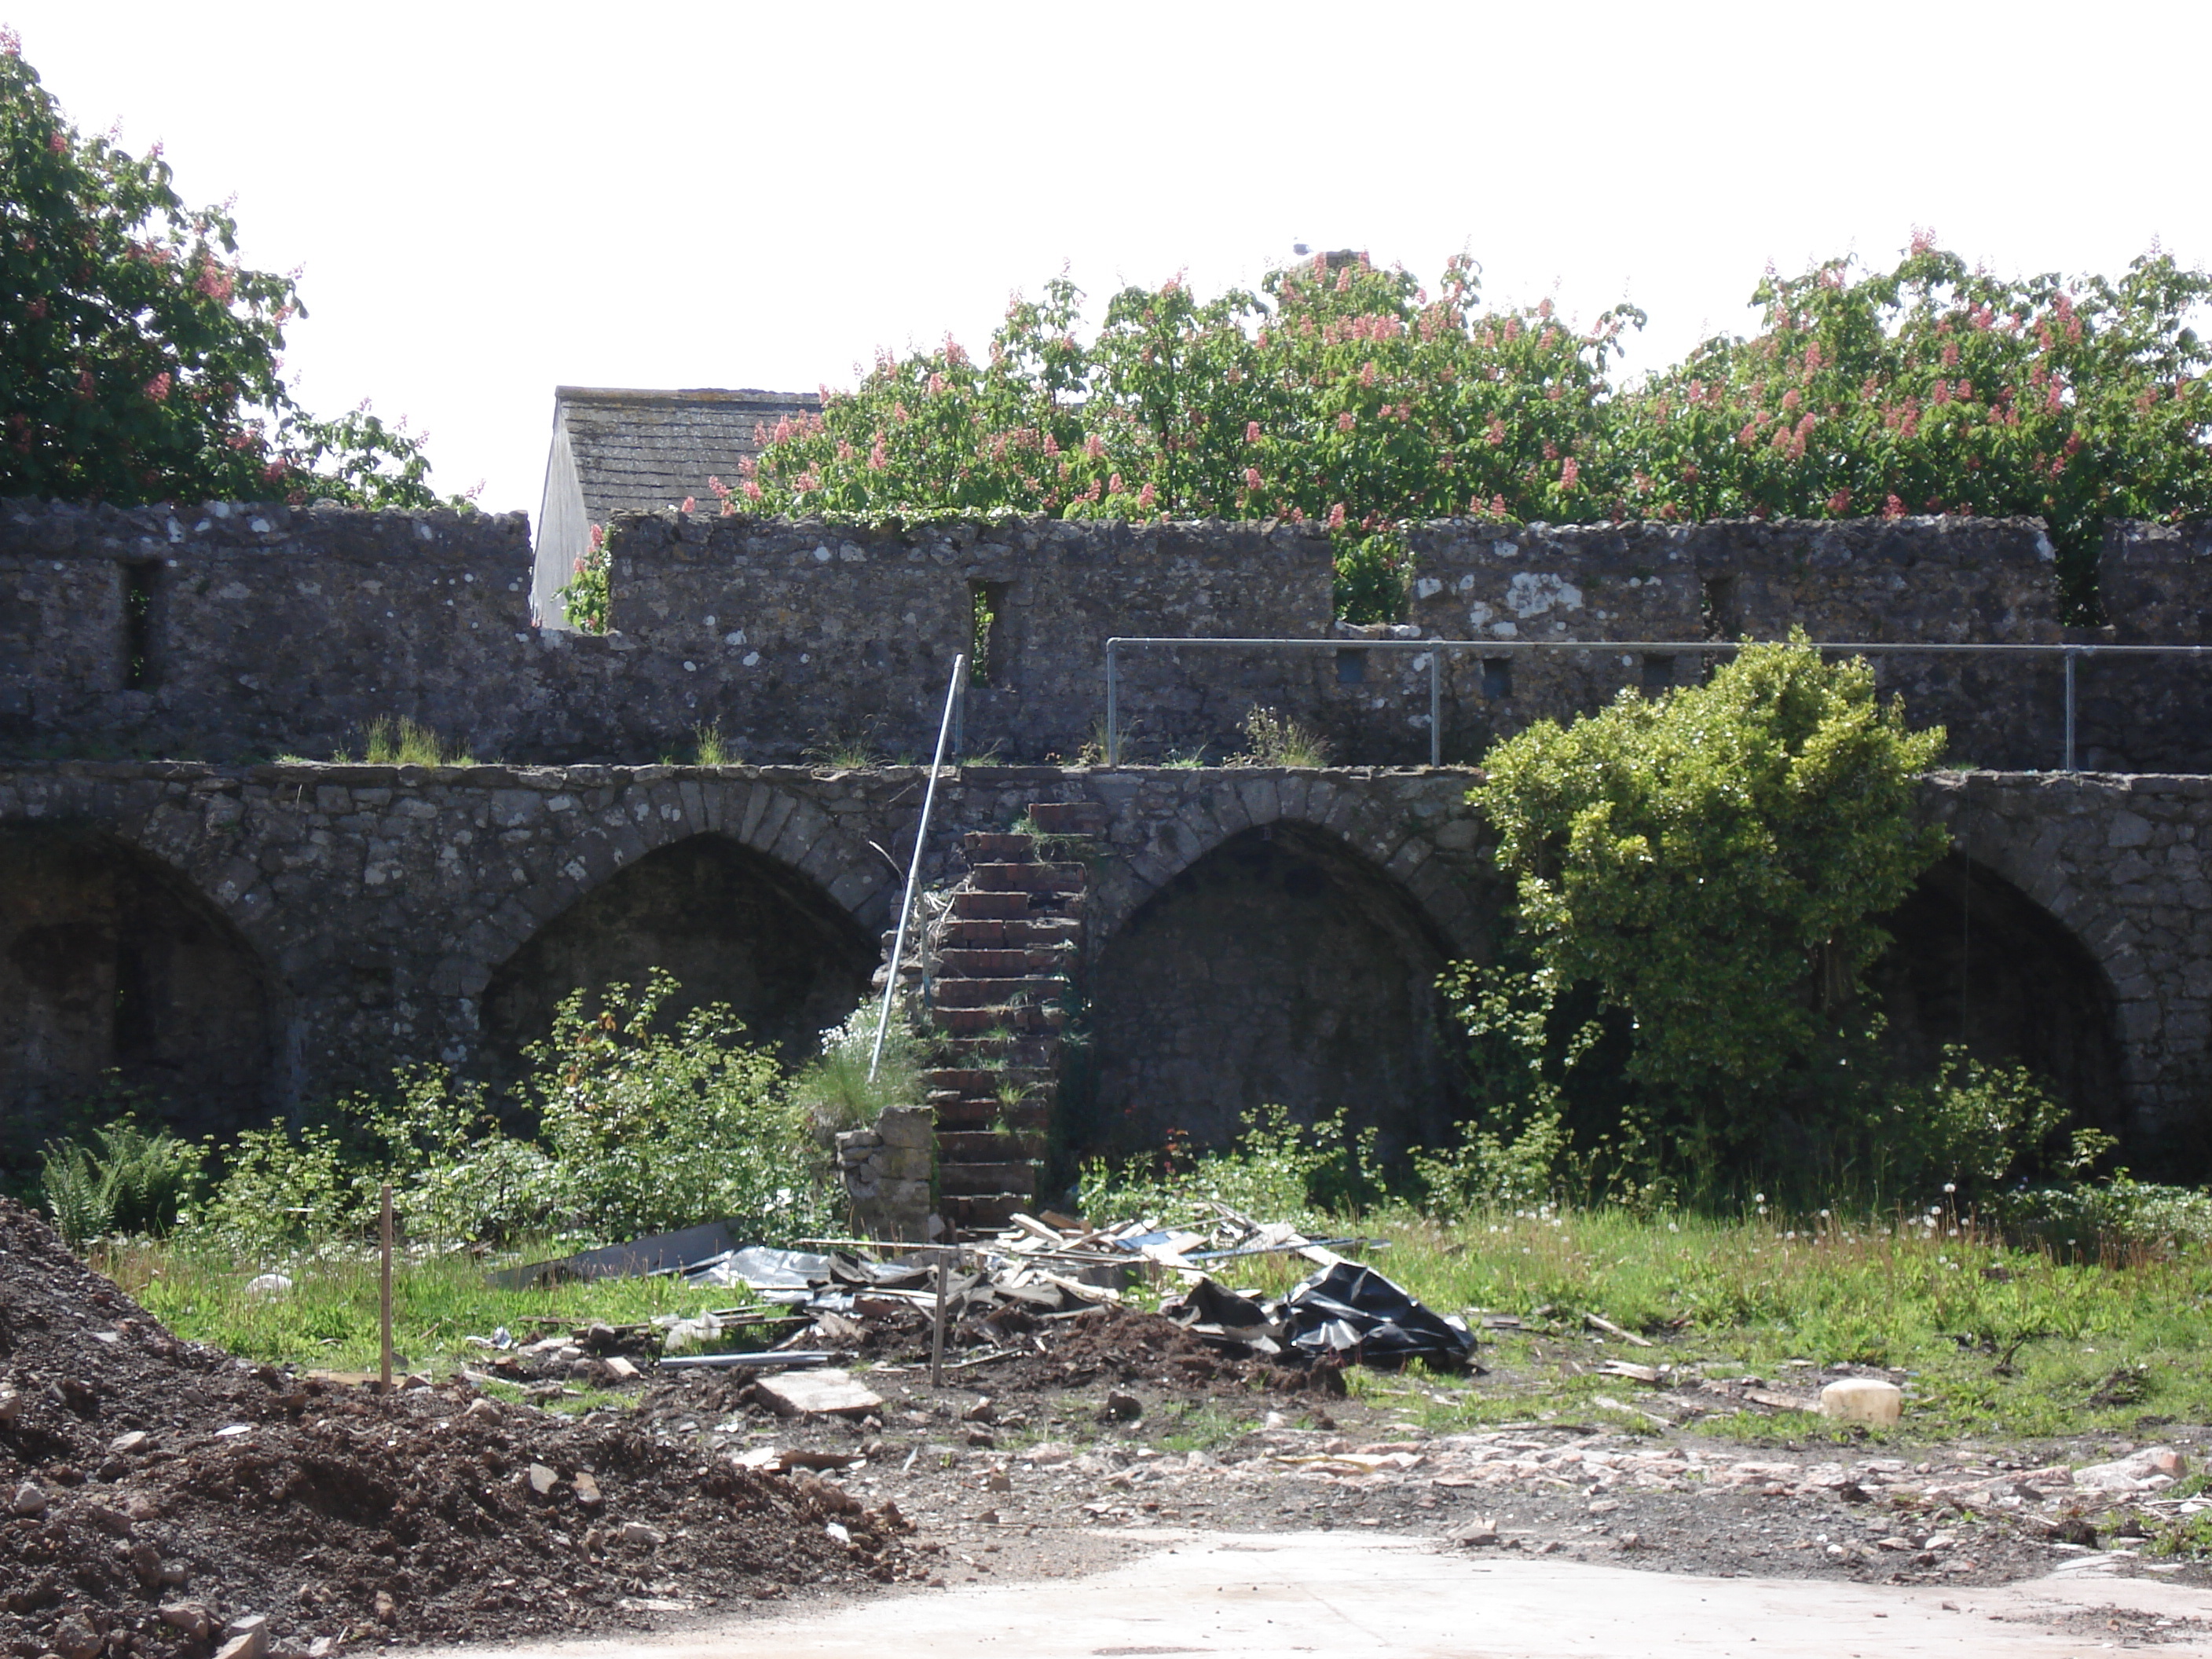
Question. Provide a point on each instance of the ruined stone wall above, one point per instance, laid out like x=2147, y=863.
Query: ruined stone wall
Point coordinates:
x=2154, y=581
x=359, y=915
x=235, y=634
x=225, y=631
x=796, y=635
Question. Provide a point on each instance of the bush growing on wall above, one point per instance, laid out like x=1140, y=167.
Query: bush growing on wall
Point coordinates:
x=1703, y=869
x=139, y=359
x=1356, y=398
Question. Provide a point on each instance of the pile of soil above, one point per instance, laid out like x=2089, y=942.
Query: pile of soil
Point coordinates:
x=153, y=1492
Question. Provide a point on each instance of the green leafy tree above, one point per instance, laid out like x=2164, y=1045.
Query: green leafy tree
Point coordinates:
x=139, y=359
x=1935, y=388
x=1343, y=394
x=1354, y=397
x=1709, y=864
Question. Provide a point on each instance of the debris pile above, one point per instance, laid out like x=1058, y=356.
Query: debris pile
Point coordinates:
x=159, y=1497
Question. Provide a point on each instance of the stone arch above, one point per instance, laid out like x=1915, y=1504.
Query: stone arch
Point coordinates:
x=112, y=962
x=1978, y=962
x=732, y=923
x=1336, y=810
x=588, y=849
x=1282, y=965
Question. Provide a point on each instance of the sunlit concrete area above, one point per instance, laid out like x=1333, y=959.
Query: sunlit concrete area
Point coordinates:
x=1325, y=1594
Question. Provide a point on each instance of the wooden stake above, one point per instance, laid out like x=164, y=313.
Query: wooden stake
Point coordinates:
x=385, y=1293
x=936, y=1327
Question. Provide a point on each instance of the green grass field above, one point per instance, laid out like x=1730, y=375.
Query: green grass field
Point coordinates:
x=2002, y=1342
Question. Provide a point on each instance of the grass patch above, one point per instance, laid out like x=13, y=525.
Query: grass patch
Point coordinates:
x=329, y=1317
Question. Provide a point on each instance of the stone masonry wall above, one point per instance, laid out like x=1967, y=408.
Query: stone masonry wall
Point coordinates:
x=234, y=634
x=378, y=903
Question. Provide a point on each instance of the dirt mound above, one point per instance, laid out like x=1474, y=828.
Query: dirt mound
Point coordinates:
x=152, y=1491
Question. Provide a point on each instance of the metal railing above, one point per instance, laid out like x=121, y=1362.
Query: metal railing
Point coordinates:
x=2071, y=654
x=954, y=701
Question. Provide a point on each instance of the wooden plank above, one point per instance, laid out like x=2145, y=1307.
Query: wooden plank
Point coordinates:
x=1612, y=1329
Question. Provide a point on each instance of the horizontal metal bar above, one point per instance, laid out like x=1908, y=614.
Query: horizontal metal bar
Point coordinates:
x=1884, y=648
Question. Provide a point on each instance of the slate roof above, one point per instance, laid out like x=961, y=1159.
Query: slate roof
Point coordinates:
x=643, y=452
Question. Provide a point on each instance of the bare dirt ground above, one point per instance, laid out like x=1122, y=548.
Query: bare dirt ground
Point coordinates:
x=153, y=1493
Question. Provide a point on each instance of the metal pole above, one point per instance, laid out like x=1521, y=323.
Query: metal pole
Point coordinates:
x=914, y=866
x=2071, y=654
x=1436, y=708
x=960, y=722
x=1113, y=709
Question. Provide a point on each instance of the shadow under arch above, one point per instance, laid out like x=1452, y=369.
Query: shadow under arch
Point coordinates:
x=111, y=962
x=731, y=924
x=1976, y=961
x=1279, y=967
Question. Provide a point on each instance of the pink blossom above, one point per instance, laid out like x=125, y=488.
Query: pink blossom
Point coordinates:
x=1813, y=358
x=1345, y=421
x=936, y=384
x=57, y=144
x=1336, y=516
x=690, y=504
x=1840, y=502
x=273, y=471
x=1095, y=447
x=877, y=459
x=1051, y=444
x=1145, y=496
x=1251, y=478
x=157, y=389
x=216, y=285
x=1495, y=434
x=1891, y=507
x=1497, y=507
x=1367, y=375
x=751, y=490
x=1570, y=472
x=1114, y=484
x=1251, y=432
x=1923, y=238
x=11, y=44
x=844, y=450
x=717, y=488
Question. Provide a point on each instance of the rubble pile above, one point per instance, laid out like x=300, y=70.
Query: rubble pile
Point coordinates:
x=158, y=1497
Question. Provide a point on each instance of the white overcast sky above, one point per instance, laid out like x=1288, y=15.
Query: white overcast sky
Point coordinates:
x=491, y=200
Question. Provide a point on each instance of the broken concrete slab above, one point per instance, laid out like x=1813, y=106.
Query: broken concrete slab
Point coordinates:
x=824, y=1393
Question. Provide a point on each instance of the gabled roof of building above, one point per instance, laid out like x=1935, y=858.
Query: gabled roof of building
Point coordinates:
x=644, y=451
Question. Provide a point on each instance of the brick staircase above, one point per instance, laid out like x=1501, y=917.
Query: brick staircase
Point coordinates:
x=1005, y=954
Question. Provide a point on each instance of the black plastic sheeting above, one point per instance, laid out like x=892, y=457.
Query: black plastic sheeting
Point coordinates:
x=1354, y=1311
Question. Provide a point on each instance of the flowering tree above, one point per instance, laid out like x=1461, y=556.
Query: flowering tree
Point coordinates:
x=1933, y=388
x=1350, y=395
x=139, y=359
x=1347, y=394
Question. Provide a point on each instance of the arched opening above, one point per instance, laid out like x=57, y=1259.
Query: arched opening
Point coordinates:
x=1279, y=968
x=1976, y=962
x=120, y=984
x=732, y=925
